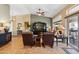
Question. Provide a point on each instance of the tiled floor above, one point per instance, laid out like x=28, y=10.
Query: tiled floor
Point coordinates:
x=16, y=47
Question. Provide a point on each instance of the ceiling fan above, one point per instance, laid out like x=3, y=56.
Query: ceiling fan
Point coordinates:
x=40, y=12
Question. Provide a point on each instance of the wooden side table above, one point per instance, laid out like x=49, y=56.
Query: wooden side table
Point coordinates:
x=37, y=43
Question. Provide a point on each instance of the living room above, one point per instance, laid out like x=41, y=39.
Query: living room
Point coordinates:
x=30, y=28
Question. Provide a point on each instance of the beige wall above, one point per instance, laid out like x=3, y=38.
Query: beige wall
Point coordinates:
x=4, y=11
x=20, y=19
x=4, y=14
x=62, y=13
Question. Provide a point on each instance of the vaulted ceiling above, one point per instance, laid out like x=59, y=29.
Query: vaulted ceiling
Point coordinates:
x=49, y=9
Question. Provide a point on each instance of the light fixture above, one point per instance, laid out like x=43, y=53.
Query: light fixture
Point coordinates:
x=40, y=12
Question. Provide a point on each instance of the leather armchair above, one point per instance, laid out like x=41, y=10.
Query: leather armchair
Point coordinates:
x=28, y=38
x=48, y=39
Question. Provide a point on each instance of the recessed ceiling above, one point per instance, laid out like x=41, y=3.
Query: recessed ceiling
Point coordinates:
x=49, y=9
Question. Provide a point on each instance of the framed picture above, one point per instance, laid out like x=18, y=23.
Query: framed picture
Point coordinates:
x=19, y=24
x=26, y=25
x=1, y=24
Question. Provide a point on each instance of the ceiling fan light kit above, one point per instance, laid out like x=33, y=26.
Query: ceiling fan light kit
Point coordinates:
x=40, y=12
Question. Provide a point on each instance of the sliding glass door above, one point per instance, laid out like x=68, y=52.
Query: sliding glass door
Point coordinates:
x=73, y=32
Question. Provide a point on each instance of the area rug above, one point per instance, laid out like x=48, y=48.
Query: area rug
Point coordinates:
x=70, y=51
